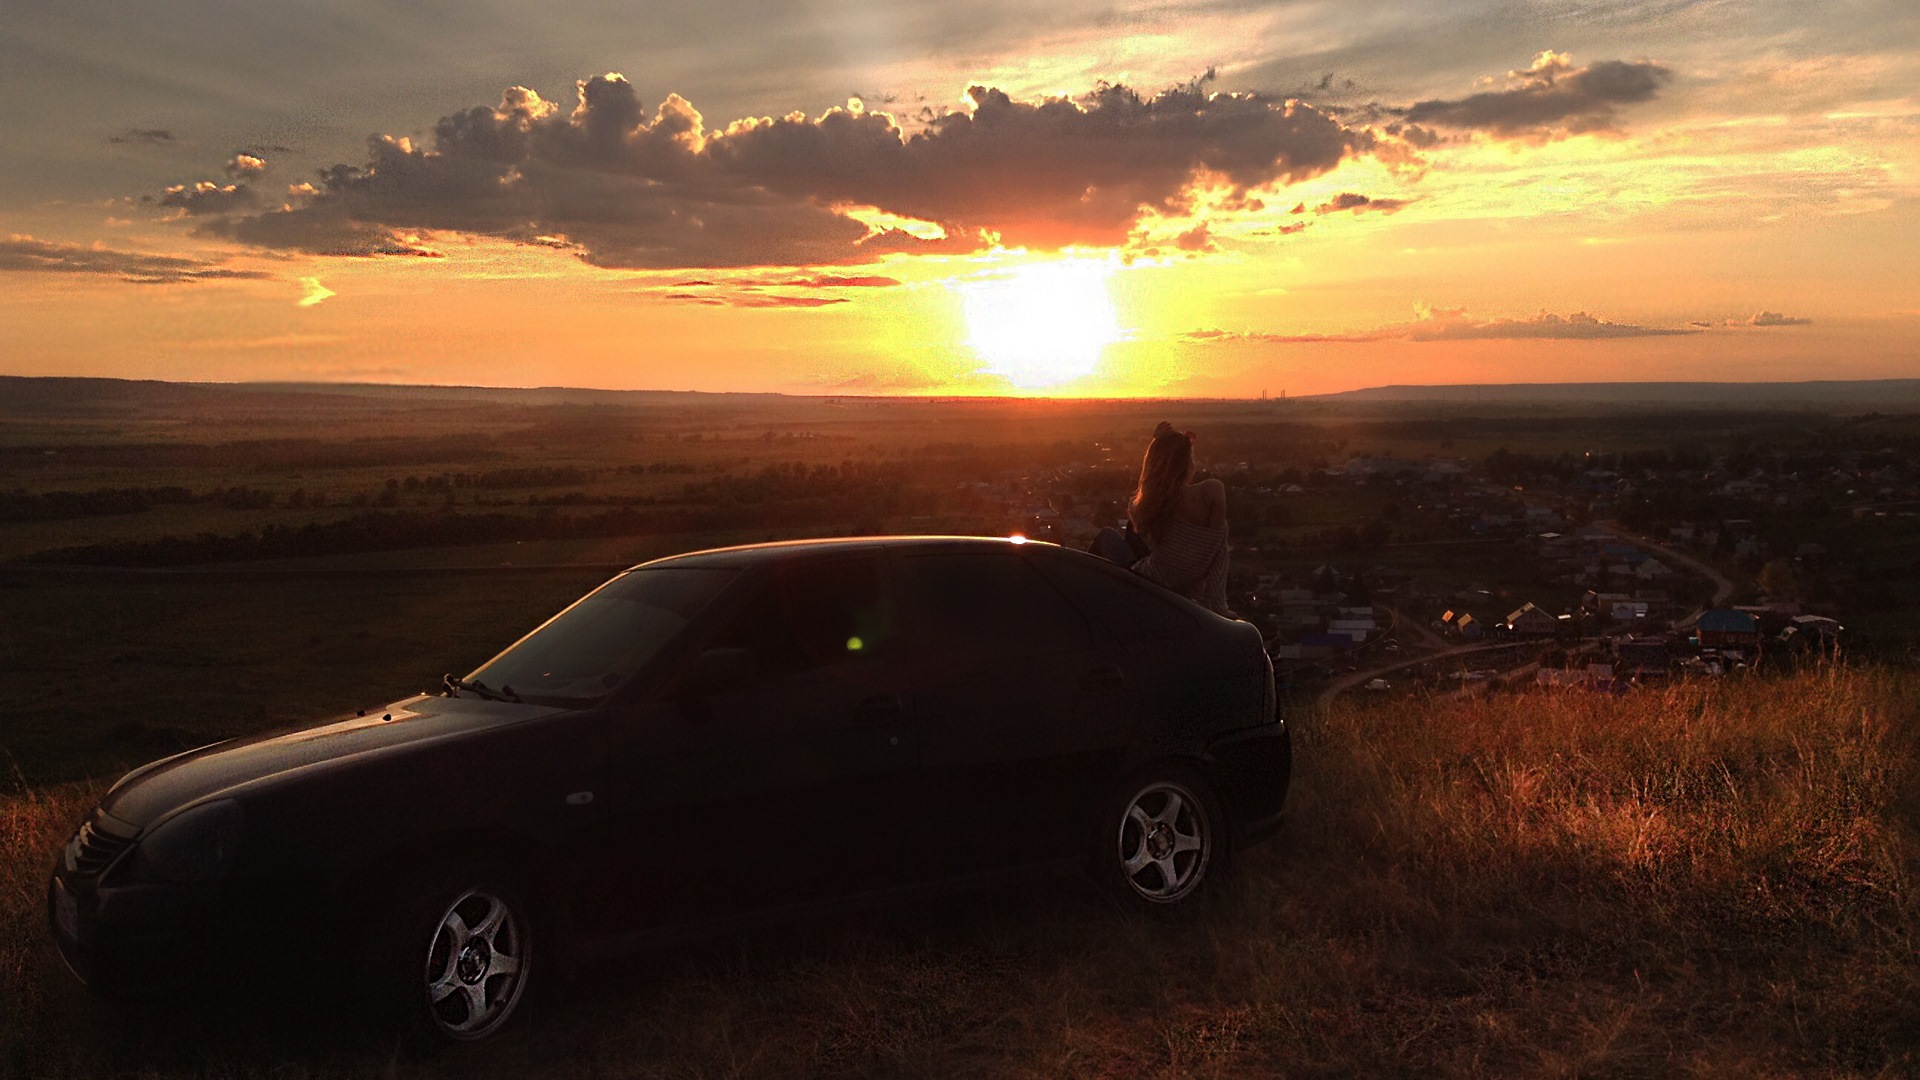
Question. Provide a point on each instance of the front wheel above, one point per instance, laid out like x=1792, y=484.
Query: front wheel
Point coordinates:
x=477, y=963
x=1163, y=840
x=452, y=955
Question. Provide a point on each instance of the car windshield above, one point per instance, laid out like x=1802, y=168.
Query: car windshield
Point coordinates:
x=604, y=637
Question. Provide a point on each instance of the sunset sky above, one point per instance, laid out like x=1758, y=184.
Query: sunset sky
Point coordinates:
x=1206, y=198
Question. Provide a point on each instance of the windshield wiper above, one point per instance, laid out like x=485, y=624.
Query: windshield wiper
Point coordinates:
x=455, y=685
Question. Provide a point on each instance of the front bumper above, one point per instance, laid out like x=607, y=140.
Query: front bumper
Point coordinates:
x=136, y=940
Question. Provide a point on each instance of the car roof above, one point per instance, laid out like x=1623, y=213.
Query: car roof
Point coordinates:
x=780, y=551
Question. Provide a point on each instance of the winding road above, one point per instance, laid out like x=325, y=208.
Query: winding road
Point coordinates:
x=1722, y=587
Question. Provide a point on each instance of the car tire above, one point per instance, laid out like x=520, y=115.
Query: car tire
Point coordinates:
x=451, y=956
x=1162, y=840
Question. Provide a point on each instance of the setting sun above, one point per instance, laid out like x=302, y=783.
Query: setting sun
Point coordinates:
x=1043, y=324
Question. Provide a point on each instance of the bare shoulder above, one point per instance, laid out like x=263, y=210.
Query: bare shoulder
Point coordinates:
x=1213, y=499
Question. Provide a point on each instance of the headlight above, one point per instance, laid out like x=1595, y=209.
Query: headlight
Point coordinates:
x=196, y=845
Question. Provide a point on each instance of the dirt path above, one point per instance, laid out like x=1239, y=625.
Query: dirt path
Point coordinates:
x=1722, y=587
x=1349, y=682
x=1404, y=625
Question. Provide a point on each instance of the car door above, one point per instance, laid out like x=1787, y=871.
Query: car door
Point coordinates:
x=1157, y=638
x=781, y=787
x=1015, y=698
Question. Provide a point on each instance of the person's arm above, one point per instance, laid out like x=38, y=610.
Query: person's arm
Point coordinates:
x=1213, y=498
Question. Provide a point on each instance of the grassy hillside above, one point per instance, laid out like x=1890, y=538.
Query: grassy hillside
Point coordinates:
x=1714, y=879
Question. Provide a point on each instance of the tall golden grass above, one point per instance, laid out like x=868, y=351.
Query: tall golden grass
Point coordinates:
x=1709, y=879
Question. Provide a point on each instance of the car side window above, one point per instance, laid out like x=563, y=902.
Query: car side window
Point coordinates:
x=984, y=604
x=1129, y=610
x=810, y=616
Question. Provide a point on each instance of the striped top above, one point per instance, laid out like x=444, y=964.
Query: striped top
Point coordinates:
x=1192, y=561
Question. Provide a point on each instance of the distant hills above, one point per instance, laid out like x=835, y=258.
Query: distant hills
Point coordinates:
x=1896, y=392
x=68, y=395
x=55, y=392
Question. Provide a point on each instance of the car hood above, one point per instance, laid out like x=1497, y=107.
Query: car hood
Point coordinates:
x=153, y=791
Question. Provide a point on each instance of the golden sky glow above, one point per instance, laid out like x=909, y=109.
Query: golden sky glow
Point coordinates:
x=1411, y=194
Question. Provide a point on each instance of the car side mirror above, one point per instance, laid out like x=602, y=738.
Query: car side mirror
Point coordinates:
x=720, y=669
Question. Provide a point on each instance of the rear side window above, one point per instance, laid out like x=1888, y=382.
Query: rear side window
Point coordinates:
x=987, y=604
x=1129, y=610
x=814, y=615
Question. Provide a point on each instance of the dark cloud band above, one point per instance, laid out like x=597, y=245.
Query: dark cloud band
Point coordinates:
x=658, y=190
x=633, y=188
x=24, y=253
x=1551, y=98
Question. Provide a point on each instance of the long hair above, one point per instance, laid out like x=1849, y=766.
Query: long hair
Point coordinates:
x=1163, y=473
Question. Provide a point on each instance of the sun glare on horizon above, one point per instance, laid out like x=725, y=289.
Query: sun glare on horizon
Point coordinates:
x=1042, y=324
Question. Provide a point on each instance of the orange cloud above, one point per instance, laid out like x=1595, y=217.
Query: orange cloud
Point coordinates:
x=1358, y=204
x=245, y=165
x=1770, y=318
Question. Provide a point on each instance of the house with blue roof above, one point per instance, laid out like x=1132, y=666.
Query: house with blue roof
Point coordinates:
x=1720, y=628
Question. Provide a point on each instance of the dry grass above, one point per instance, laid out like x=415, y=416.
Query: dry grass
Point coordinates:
x=1712, y=880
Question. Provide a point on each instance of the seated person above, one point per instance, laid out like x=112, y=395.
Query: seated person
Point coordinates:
x=1181, y=524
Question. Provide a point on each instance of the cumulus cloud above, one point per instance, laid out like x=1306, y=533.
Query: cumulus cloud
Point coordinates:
x=1197, y=238
x=24, y=253
x=1420, y=138
x=1550, y=99
x=639, y=188
x=1452, y=324
x=142, y=137
x=1770, y=318
x=207, y=197
x=244, y=166
x=626, y=185
x=1358, y=204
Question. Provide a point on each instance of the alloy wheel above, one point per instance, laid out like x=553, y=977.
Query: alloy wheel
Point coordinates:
x=1165, y=842
x=476, y=965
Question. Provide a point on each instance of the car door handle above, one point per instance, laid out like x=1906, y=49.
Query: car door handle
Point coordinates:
x=879, y=709
x=1109, y=677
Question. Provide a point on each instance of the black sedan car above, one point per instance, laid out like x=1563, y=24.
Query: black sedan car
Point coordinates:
x=704, y=741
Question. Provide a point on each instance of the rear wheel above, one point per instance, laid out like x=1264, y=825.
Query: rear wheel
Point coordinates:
x=1162, y=841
